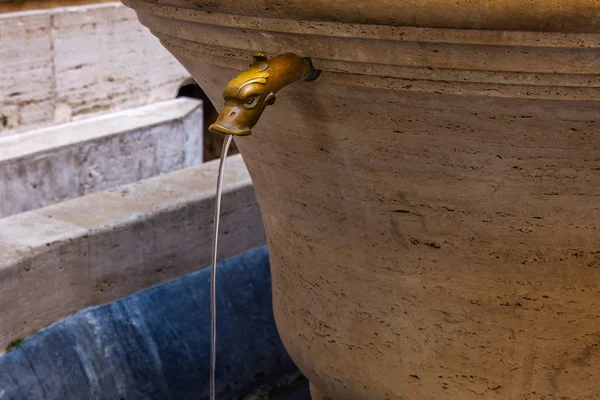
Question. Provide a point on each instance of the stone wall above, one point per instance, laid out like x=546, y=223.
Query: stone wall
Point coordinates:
x=60, y=64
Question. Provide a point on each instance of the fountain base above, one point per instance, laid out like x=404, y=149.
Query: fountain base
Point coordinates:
x=429, y=201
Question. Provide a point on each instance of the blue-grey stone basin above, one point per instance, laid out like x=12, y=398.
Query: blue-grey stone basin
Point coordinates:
x=155, y=344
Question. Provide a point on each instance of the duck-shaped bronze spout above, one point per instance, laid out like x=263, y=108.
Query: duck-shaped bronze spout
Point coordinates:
x=248, y=94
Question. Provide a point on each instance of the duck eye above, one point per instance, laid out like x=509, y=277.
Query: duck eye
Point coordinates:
x=251, y=100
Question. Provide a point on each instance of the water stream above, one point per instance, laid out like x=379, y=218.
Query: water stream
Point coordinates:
x=213, y=267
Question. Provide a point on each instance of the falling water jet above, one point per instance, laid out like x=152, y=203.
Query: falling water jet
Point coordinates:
x=246, y=97
x=213, y=266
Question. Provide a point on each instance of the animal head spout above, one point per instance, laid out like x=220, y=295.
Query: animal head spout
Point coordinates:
x=247, y=95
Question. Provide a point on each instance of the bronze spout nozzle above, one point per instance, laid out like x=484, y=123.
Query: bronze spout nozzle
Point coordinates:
x=247, y=95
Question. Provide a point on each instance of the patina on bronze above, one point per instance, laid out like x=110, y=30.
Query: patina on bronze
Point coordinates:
x=247, y=95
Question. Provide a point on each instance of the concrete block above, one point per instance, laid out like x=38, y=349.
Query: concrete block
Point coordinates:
x=93, y=249
x=60, y=162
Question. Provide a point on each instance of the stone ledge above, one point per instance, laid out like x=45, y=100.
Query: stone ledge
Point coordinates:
x=61, y=162
x=97, y=248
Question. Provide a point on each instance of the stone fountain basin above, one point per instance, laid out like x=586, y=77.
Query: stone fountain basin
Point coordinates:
x=431, y=201
x=155, y=344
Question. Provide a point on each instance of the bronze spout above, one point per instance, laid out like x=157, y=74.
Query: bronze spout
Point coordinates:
x=247, y=95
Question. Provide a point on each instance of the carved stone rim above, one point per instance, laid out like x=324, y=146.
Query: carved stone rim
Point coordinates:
x=455, y=61
x=370, y=31
x=516, y=15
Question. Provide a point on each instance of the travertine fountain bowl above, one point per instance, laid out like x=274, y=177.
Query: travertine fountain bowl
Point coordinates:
x=432, y=201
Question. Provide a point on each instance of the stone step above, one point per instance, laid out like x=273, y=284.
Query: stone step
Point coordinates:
x=98, y=248
x=61, y=162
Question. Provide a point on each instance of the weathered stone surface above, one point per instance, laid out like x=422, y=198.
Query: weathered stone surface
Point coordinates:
x=61, y=162
x=26, y=76
x=49, y=73
x=431, y=201
x=97, y=248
